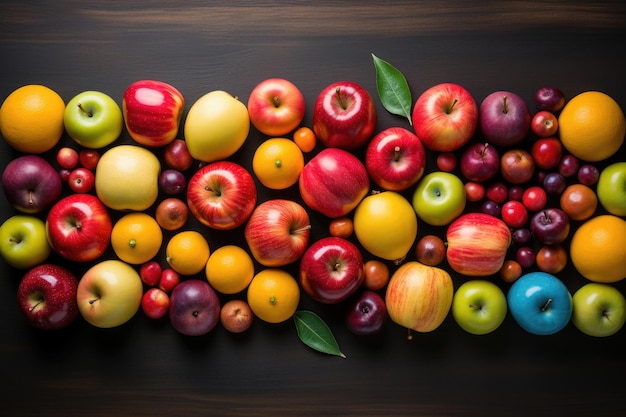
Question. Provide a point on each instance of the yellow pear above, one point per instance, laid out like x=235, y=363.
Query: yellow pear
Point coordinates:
x=127, y=178
x=216, y=126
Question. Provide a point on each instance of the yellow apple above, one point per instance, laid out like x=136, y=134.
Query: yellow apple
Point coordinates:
x=216, y=126
x=109, y=293
x=419, y=297
x=127, y=178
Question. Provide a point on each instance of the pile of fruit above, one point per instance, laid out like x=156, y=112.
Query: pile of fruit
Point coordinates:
x=516, y=195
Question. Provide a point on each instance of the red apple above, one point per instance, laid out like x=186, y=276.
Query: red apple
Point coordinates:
x=155, y=303
x=67, y=157
x=344, y=116
x=395, y=159
x=333, y=182
x=171, y=213
x=221, y=195
x=81, y=180
x=278, y=232
x=276, y=107
x=30, y=184
x=331, y=270
x=477, y=244
x=475, y=191
x=504, y=118
x=79, y=227
x=89, y=158
x=445, y=117
x=367, y=315
x=169, y=280
x=547, y=152
x=550, y=226
x=47, y=296
x=152, y=112
x=544, y=124
x=517, y=166
x=480, y=162
x=150, y=273
x=194, y=307
x=176, y=155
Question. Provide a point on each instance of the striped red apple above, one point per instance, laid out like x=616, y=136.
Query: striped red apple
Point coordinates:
x=477, y=244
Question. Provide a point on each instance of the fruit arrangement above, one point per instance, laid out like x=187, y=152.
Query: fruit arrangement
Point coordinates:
x=516, y=192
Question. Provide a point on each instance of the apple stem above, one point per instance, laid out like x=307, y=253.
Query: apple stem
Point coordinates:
x=484, y=150
x=449, y=110
x=276, y=101
x=14, y=240
x=207, y=188
x=341, y=102
x=90, y=114
x=475, y=307
x=399, y=260
x=396, y=153
x=546, y=305
x=195, y=313
x=409, y=335
x=34, y=306
x=31, y=200
x=505, y=108
x=92, y=301
x=307, y=227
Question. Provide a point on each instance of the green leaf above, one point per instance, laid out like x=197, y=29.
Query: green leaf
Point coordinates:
x=314, y=332
x=393, y=89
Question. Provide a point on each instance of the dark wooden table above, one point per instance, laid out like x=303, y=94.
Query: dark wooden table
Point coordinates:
x=144, y=368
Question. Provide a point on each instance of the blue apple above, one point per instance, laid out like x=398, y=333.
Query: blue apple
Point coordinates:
x=439, y=198
x=540, y=303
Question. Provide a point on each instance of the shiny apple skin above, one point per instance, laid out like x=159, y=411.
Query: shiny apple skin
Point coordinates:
x=79, y=227
x=277, y=232
x=367, y=315
x=276, y=107
x=194, y=308
x=395, y=159
x=504, y=118
x=344, y=116
x=47, y=296
x=477, y=244
x=30, y=184
x=445, y=117
x=221, y=195
x=333, y=182
x=152, y=112
x=331, y=270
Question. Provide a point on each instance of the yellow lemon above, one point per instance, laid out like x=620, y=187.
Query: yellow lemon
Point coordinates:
x=273, y=295
x=187, y=252
x=127, y=178
x=386, y=225
x=598, y=249
x=136, y=238
x=277, y=163
x=229, y=269
x=31, y=119
x=216, y=126
x=592, y=126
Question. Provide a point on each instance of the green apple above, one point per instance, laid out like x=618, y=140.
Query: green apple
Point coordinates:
x=23, y=241
x=93, y=119
x=439, y=198
x=479, y=306
x=611, y=188
x=598, y=309
x=109, y=293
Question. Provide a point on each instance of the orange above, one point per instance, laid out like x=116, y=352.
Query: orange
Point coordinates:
x=592, y=126
x=579, y=202
x=598, y=249
x=277, y=163
x=31, y=119
x=229, y=269
x=305, y=138
x=273, y=295
x=187, y=252
x=136, y=238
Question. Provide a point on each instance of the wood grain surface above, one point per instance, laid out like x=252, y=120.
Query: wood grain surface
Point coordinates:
x=144, y=368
